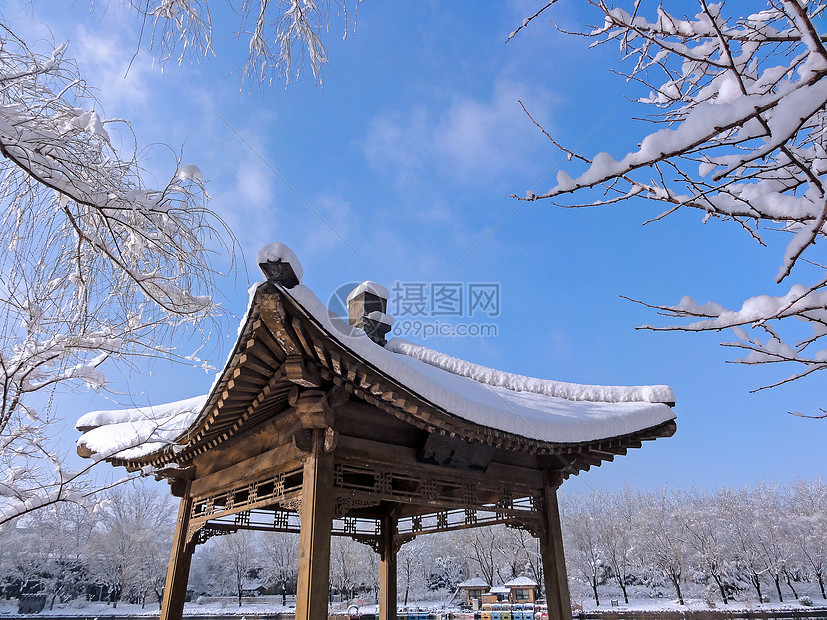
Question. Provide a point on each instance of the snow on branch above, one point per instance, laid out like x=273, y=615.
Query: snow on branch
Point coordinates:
x=276, y=33
x=740, y=110
x=97, y=266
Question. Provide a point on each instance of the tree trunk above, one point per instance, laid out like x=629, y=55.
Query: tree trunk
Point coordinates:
x=821, y=585
x=790, y=583
x=777, y=579
x=622, y=583
x=756, y=583
x=676, y=581
x=594, y=588
x=284, y=592
x=720, y=583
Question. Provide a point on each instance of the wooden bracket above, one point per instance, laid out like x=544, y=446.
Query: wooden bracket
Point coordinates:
x=173, y=472
x=178, y=487
x=303, y=439
x=298, y=371
x=331, y=438
x=274, y=317
x=311, y=407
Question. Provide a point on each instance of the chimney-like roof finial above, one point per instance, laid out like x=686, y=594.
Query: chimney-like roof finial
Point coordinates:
x=366, y=308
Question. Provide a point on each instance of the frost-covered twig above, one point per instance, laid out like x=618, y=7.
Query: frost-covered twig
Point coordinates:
x=273, y=29
x=741, y=110
x=96, y=267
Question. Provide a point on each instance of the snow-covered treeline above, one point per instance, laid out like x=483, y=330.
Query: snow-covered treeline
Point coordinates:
x=749, y=543
x=761, y=541
x=117, y=552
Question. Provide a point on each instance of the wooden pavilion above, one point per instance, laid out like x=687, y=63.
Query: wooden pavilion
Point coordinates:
x=319, y=428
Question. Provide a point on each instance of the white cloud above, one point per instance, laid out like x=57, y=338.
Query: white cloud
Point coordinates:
x=102, y=40
x=470, y=140
x=104, y=59
x=254, y=185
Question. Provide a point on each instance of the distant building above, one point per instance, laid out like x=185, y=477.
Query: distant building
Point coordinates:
x=519, y=590
x=522, y=590
x=472, y=589
x=497, y=594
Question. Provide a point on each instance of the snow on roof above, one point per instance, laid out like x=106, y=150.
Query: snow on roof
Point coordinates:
x=521, y=582
x=473, y=582
x=541, y=409
x=275, y=252
x=380, y=317
x=136, y=432
x=492, y=398
x=369, y=286
x=499, y=590
x=521, y=383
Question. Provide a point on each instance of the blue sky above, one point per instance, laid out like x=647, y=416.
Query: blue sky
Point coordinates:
x=410, y=150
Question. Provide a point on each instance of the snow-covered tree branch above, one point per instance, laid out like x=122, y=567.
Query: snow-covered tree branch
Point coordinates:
x=97, y=266
x=277, y=32
x=740, y=115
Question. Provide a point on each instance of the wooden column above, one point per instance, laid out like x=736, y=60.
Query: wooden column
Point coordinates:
x=316, y=522
x=178, y=572
x=551, y=548
x=387, y=570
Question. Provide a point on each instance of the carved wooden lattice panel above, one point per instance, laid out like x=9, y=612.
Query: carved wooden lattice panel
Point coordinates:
x=382, y=483
x=267, y=491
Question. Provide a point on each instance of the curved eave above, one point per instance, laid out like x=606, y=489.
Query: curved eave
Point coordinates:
x=255, y=385
x=383, y=391
x=250, y=367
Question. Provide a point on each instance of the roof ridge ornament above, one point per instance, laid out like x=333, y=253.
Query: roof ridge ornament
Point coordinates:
x=367, y=306
x=280, y=265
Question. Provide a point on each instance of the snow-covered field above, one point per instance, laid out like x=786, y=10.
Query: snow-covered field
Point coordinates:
x=229, y=607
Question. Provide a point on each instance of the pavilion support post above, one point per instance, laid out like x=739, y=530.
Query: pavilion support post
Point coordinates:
x=317, y=504
x=555, y=578
x=178, y=571
x=387, y=570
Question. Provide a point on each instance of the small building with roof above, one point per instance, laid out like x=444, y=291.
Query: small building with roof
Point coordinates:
x=522, y=589
x=473, y=589
x=497, y=594
x=319, y=426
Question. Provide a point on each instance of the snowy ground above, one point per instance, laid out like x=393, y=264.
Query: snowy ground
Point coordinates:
x=650, y=604
x=229, y=607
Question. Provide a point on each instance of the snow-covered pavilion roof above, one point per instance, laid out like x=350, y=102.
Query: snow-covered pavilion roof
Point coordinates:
x=547, y=410
x=492, y=401
x=138, y=431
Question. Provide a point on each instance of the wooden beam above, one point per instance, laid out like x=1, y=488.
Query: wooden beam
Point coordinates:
x=387, y=569
x=551, y=549
x=299, y=371
x=317, y=502
x=356, y=449
x=254, y=441
x=282, y=457
x=175, y=590
x=274, y=333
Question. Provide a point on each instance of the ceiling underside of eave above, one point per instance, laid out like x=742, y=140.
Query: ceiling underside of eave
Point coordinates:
x=256, y=382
